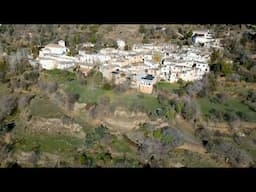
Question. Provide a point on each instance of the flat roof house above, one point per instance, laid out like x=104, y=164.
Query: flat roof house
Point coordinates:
x=145, y=83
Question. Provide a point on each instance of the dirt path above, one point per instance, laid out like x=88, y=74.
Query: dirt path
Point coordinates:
x=193, y=148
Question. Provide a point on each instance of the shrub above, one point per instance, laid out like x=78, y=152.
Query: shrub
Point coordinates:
x=142, y=29
x=73, y=97
x=2, y=77
x=95, y=135
x=157, y=134
x=31, y=76
x=179, y=106
x=107, y=86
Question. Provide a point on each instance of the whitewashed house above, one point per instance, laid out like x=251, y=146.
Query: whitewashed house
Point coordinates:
x=53, y=56
x=202, y=37
x=120, y=44
x=54, y=49
x=145, y=82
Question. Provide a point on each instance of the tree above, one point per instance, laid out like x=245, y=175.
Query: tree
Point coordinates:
x=178, y=106
x=142, y=29
x=107, y=86
x=180, y=82
x=145, y=40
x=3, y=64
x=189, y=34
x=93, y=38
x=35, y=51
x=215, y=56
x=156, y=57
x=69, y=53
x=226, y=68
x=126, y=47
x=170, y=114
x=76, y=39
x=2, y=77
x=31, y=76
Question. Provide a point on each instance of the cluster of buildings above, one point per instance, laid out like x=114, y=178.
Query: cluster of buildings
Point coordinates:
x=142, y=66
x=206, y=38
x=55, y=56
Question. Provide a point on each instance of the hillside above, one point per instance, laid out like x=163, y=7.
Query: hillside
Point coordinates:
x=60, y=118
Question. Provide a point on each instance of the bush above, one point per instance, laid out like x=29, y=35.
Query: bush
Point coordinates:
x=86, y=160
x=145, y=40
x=31, y=76
x=215, y=56
x=218, y=98
x=241, y=115
x=95, y=135
x=101, y=131
x=179, y=106
x=142, y=29
x=93, y=38
x=107, y=86
x=157, y=134
x=2, y=77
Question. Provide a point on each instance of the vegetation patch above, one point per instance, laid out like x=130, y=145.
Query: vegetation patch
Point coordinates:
x=209, y=109
x=43, y=107
x=46, y=143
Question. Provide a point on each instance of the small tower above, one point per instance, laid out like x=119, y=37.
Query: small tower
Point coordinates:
x=120, y=44
x=62, y=43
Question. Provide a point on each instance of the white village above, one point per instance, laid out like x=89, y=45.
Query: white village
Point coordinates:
x=143, y=65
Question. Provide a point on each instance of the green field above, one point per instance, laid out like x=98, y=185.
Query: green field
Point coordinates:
x=167, y=86
x=231, y=105
x=44, y=108
x=47, y=143
x=60, y=76
x=121, y=146
x=88, y=94
x=146, y=102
